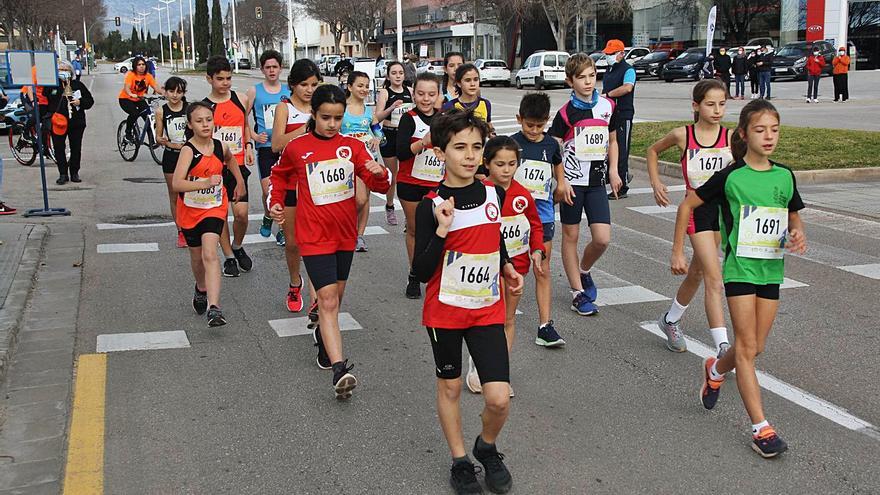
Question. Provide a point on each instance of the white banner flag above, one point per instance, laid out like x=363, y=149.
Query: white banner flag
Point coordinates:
x=710, y=30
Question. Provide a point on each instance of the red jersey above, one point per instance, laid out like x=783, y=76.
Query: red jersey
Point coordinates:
x=465, y=290
x=424, y=169
x=322, y=171
x=296, y=118
x=229, y=123
x=195, y=206
x=698, y=162
x=521, y=226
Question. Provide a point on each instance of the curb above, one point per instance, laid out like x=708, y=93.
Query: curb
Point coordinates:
x=670, y=169
x=19, y=294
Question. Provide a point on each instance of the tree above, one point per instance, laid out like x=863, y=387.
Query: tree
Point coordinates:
x=134, y=41
x=217, y=47
x=562, y=13
x=733, y=17
x=200, y=30
x=333, y=13
x=363, y=18
x=261, y=32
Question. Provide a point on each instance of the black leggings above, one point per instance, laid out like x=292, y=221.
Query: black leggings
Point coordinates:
x=75, y=135
x=133, y=109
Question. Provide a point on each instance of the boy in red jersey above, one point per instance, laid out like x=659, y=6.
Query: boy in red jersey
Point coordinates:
x=460, y=254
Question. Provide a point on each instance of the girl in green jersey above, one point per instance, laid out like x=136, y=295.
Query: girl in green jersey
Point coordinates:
x=759, y=205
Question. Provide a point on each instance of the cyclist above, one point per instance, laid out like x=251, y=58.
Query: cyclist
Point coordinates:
x=131, y=99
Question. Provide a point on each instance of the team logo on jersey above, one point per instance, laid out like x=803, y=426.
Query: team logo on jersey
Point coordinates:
x=343, y=152
x=606, y=115
x=520, y=203
x=307, y=155
x=491, y=211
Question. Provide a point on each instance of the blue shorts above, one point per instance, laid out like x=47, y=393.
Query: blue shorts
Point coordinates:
x=592, y=200
x=549, y=231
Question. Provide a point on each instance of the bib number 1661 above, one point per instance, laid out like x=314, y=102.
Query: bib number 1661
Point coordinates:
x=474, y=275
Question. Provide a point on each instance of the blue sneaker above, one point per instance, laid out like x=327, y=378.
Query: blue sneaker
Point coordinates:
x=548, y=337
x=279, y=238
x=589, y=286
x=266, y=227
x=582, y=305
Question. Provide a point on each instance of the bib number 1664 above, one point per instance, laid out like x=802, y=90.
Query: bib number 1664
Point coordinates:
x=474, y=275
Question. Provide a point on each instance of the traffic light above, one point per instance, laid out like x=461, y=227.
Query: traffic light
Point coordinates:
x=117, y=21
x=258, y=12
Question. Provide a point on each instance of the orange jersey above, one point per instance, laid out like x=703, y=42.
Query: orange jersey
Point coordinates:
x=229, y=124
x=211, y=202
x=137, y=84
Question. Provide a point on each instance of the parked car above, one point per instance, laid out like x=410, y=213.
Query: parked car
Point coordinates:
x=688, y=65
x=493, y=71
x=328, y=63
x=651, y=64
x=543, y=69
x=791, y=60
x=631, y=55
x=243, y=63
x=124, y=66
x=433, y=66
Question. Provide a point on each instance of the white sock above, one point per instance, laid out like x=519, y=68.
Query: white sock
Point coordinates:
x=584, y=272
x=236, y=247
x=719, y=336
x=574, y=292
x=230, y=257
x=756, y=428
x=713, y=372
x=675, y=312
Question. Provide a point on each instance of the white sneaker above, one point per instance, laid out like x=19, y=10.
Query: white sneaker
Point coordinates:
x=808, y=100
x=815, y=100
x=473, y=379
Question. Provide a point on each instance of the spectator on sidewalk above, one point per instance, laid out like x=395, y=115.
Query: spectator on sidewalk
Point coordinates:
x=409, y=69
x=815, y=64
x=752, y=60
x=77, y=67
x=619, y=84
x=840, y=75
x=4, y=209
x=765, y=68
x=69, y=101
x=722, y=68
x=740, y=69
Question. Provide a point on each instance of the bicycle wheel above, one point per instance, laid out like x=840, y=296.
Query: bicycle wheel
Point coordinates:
x=24, y=150
x=127, y=149
x=156, y=150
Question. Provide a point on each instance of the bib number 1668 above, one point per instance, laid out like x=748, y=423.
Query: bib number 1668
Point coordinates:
x=475, y=275
x=332, y=175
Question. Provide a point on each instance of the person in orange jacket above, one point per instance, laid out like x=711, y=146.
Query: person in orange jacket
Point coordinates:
x=840, y=73
x=815, y=64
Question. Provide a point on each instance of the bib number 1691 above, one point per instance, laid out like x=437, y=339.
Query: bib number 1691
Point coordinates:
x=767, y=226
x=474, y=275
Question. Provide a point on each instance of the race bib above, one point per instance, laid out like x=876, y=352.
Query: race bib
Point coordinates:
x=204, y=199
x=268, y=116
x=591, y=143
x=515, y=231
x=536, y=176
x=704, y=162
x=428, y=167
x=177, y=130
x=330, y=181
x=762, y=232
x=470, y=281
x=231, y=135
x=398, y=112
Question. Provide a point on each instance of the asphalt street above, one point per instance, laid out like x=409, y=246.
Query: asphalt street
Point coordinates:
x=244, y=409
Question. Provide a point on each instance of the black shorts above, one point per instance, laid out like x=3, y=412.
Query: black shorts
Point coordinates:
x=389, y=149
x=266, y=159
x=169, y=160
x=549, y=231
x=487, y=345
x=704, y=218
x=290, y=198
x=592, y=200
x=209, y=225
x=412, y=192
x=768, y=291
x=326, y=269
x=229, y=183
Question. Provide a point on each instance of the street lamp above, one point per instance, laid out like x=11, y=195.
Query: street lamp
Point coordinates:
x=168, y=24
x=161, y=48
x=192, y=34
x=181, y=34
x=234, y=38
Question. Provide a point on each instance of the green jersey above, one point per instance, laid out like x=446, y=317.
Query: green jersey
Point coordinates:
x=754, y=207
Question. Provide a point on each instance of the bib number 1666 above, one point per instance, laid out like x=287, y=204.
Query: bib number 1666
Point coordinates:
x=474, y=275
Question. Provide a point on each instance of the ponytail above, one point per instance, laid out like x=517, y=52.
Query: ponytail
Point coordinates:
x=738, y=143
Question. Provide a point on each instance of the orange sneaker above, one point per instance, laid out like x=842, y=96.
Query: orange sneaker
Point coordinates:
x=767, y=443
x=711, y=388
x=294, y=298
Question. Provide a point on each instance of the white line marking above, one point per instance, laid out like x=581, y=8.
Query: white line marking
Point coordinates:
x=142, y=341
x=627, y=295
x=519, y=312
x=648, y=190
x=289, y=327
x=377, y=209
x=383, y=198
x=256, y=239
x=788, y=283
x=374, y=230
x=128, y=248
x=842, y=223
x=496, y=121
x=115, y=226
x=653, y=209
x=871, y=270
x=794, y=394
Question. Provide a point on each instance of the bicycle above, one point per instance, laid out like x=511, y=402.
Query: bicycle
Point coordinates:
x=23, y=138
x=144, y=132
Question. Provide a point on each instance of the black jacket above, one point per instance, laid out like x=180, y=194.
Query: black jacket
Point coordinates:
x=722, y=64
x=740, y=65
x=767, y=60
x=58, y=103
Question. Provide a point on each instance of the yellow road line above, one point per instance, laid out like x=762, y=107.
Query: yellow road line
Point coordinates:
x=84, y=473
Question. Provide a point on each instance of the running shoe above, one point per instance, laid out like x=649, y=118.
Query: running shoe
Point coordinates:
x=473, y=378
x=294, y=298
x=323, y=359
x=589, y=286
x=200, y=301
x=463, y=478
x=266, y=227
x=674, y=337
x=279, y=238
x=361, y=245
x=230, y=268
x=498, y=479
x=548, y=337
x=582, y=305
x=767, y=443
x=621, y=193
x=343, y=381
x=390, y=215
x=710, y=389
x=512, y=395
x=313, y=315
x=215, y=317
x=244, y=261
x=6, y=209
x=722, y=349
x=413, y=288
x=181, y=240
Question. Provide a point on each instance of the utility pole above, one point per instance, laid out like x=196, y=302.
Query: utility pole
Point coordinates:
x=161, y=48
x=86, y=38
x=234, y=38
x=181, y=34
x=399, y=31
x=168, y=24
x=290, y=35
x=192, y=35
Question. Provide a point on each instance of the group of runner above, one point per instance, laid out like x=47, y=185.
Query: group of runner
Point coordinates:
x=479, y=215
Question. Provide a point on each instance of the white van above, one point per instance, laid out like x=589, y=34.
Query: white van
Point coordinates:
x=543, y=69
